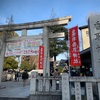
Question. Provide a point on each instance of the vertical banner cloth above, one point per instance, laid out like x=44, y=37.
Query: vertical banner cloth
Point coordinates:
x=41, y=57
x=74, y=47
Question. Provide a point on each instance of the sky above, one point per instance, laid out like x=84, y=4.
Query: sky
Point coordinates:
x=24, y=11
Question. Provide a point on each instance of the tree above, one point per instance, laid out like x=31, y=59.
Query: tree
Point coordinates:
x=10, y=63
x=32, y=60
x=58, y=45
x=26, y=66
x=10, y=33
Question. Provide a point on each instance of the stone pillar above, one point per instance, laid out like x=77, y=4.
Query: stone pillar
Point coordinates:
x=2, y=53
x=46, y=68
x=65, y=87
x=24, y=32
x=33, y=82
x=94, y=32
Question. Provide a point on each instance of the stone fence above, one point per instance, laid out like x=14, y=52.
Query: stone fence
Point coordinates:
x=64, y=87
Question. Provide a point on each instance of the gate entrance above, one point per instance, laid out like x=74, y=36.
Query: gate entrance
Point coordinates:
x=27, y=26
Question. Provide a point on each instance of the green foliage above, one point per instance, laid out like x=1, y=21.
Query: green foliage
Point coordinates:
x=0, y=34
x=10, y=34
x=10, y=63
x=26, y=66
x=13, y=34
x=34, y=66
x=58, y=45
x=60, y=69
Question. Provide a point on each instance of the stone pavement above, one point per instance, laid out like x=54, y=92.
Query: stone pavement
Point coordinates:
x=14, y=89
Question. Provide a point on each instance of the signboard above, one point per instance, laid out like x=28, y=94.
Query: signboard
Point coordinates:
x=25, y=47
x=56, y=35
x=41, y=57
x=94, y=32
x=74, y=47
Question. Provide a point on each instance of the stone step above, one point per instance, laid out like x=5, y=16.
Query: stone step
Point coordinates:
x=13, y=98
x=35, y=97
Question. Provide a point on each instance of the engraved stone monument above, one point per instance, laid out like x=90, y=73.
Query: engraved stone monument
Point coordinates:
x=94, y=30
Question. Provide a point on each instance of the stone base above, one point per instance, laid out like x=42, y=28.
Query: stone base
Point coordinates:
x=11, y=98
x=45, y=97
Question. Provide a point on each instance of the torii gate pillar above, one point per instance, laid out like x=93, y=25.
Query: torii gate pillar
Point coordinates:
x=2, y=53
x=46, y=66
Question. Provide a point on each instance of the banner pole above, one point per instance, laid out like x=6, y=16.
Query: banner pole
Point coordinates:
x=68, y=52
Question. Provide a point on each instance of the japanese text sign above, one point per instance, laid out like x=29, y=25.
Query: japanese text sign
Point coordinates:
x=41, y=57
x=74, y=47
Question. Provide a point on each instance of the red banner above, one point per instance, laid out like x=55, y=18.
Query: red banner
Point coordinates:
x=74, y=47
x=41, y=57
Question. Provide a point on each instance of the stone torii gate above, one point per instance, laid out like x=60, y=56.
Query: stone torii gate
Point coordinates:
x=27, y=26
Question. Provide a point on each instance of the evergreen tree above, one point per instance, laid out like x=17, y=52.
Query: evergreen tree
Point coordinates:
x=26, y=66
x=10, y=63
x=58, y=45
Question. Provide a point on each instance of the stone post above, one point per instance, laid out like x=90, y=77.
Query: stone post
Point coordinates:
x=94, y=32
x=65, y=87
x=33, y=82
x=2, y=53
x=46, y=69
x=24, y=32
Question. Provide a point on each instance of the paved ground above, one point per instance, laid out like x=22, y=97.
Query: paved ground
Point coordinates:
x=14, y=89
